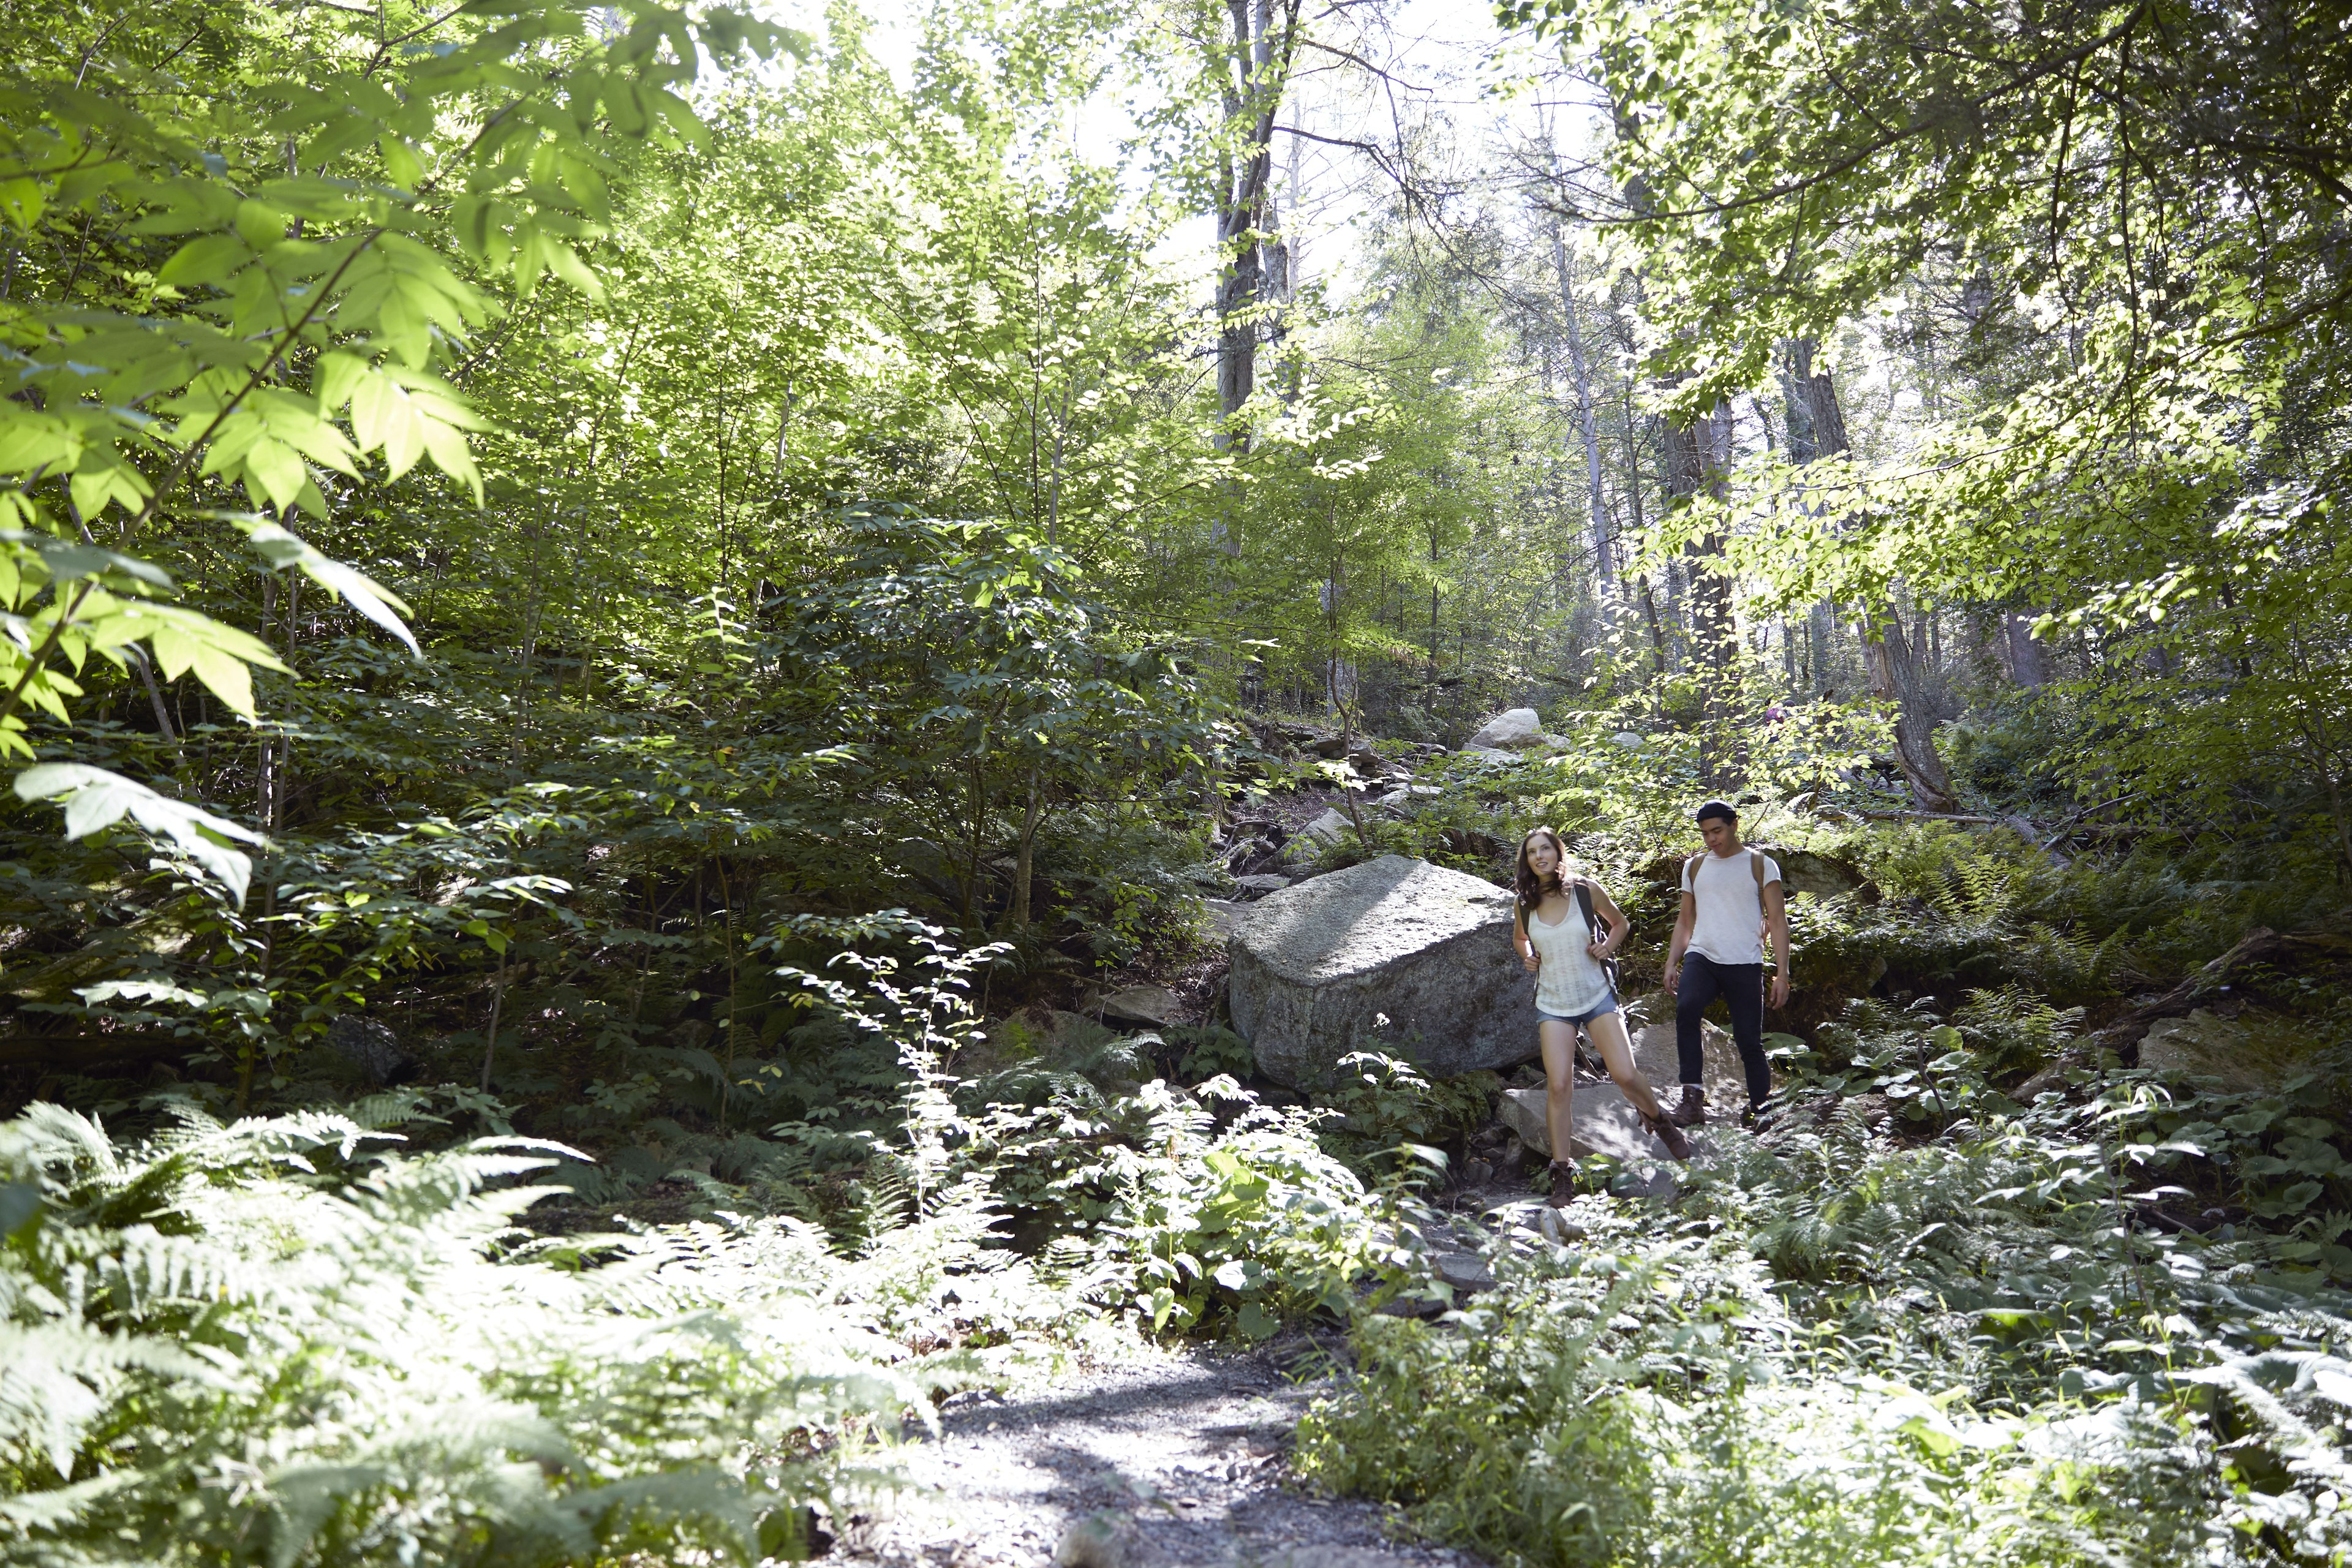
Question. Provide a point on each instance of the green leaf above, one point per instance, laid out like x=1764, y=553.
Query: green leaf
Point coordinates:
x=94, y=798
x=20, y=203
x=356, y=589
x=212, y=259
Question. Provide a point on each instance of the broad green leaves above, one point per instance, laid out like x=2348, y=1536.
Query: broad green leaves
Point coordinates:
x=94, y=798
x=351, y=196
x=368, y=598
x=257, y=286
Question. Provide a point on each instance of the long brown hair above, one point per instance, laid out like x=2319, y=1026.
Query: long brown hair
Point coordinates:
x=1524, y=885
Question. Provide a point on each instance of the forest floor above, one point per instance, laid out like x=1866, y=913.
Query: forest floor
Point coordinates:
x=1162, y=1460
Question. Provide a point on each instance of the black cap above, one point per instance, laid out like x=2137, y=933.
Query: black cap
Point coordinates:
x=1722, y=808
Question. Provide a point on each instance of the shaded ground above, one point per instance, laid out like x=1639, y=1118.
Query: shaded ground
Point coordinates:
x=1181, y=1459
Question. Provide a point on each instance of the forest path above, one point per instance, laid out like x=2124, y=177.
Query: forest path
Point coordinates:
x=1179, y=1459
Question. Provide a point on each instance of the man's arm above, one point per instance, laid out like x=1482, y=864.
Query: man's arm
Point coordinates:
x=1775, y=921
x=1684, y=922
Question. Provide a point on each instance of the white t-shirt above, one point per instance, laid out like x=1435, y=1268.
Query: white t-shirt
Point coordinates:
x=1729, y=928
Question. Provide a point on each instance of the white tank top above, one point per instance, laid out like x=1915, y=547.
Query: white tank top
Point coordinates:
x=1572, y=980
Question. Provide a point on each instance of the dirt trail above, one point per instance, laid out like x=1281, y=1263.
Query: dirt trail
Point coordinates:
x=1175, y=1459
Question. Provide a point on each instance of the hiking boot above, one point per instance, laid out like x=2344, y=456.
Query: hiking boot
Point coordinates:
x=1664, y=1129
x=1563, y=1185
x=1691, y=1110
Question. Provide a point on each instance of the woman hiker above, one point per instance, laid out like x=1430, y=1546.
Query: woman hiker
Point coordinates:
x=1566, y=929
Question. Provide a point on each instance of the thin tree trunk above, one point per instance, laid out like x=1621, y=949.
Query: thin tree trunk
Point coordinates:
x=1604, y=554
x=1254, y=73
x=1699, y=458
x=498, y=1002
x=1024, y=856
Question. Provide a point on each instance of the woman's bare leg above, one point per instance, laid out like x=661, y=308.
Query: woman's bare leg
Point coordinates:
x=1609, y=1038
x=1558, y=1041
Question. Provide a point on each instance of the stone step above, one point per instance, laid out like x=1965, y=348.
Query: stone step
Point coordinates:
x=1602, y=1122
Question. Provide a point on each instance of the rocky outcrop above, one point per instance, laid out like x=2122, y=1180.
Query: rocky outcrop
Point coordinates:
x=1802, y=871
x=370, y=1047
x=1393, y=955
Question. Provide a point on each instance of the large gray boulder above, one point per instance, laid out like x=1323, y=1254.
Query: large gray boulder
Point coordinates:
x=1514, y=729
x=1393, y=955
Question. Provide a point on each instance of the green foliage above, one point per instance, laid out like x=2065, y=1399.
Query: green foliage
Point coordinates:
x=1387, y=1108
x=1842, y=1352
x=286, y=1300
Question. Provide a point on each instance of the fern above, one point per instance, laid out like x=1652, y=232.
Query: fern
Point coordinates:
x=332, y=1333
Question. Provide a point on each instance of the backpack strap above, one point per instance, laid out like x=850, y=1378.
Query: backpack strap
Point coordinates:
x=1690, y=873
x=1593, y=928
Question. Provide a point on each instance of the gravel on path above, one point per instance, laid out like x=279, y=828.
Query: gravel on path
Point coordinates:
x=1166, y=1459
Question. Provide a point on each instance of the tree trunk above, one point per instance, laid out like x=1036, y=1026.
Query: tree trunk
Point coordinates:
x=1604, y=553
x=2027, y=665
x=1895, y=676
x=1253, y=75
x=1817, y=429
x=1024, y=857
x=1698, y=457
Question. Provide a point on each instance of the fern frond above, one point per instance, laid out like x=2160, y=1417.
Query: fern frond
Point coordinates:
x=56, y=1380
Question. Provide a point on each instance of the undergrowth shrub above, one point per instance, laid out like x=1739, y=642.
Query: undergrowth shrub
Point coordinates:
x=281, y=1341
x=1838, y=1352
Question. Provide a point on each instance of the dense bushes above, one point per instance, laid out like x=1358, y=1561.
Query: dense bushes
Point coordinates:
x=1834, y=1352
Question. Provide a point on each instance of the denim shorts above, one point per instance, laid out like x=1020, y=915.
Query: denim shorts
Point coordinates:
x=1603, y=1011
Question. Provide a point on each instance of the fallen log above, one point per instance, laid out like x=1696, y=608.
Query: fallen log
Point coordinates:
x=68, y=1050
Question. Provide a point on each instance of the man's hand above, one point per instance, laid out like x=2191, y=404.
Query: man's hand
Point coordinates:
x=1674, y=975
x=1780, y=990
x=1531, y=963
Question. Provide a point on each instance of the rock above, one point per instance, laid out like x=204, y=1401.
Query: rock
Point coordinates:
x=1489, y=754
x=1405, y=796
x=1510, y=729
x=1464, y=1270
x=1522, y=1110
x=370, y=1047
x=1223, y=914
x=1099, y=1541
x=1393, y=955
x=1802, y=871
x=1604, y=1123
x=2051, y=1079
x=2256, y=1050
x=1823, y=875
x=1322, y=833
x=1152, y=1004
x=1261, y=882
x=1659, y=1057
x=1328, y=747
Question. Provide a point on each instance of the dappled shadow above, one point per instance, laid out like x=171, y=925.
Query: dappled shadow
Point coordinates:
x=1146, y=1401
x=1298, y=932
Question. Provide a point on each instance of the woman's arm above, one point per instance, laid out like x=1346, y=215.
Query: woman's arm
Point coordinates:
x=1614, y=919
x=1528, y=959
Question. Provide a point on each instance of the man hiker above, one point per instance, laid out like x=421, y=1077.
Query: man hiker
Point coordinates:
x=1731, y=898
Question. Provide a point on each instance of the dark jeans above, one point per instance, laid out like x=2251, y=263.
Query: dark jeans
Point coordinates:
x=1742, y=986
